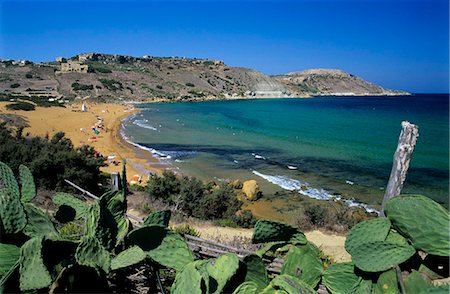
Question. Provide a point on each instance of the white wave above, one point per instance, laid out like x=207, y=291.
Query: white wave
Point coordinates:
x=305, y=189
x=144, y=124
x=156, y=153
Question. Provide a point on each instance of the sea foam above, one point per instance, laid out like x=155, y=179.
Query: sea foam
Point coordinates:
x=144, y=124
x=305, y=189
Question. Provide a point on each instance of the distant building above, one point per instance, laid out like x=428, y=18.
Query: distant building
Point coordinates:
x=60, y=59
x=74, y=66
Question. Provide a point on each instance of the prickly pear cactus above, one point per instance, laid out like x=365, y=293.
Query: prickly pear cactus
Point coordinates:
x=247, y=287
x=190, y=279
x=28, y=188
x=101, y=224
x=303, y=262
x=380, y=256
x=91, y=253
x=416, y=283
x=9, y=255
x=78, y=205
x=386, y=283
x=34, y=274
x=363, y=287
x=12, y=214
x=368, y=231
x=421, y=220
x=7, y=180
x=289, y=284
x=162, y=245
x=340, y=278
x=222, y=269
x=158, y=218
x=38, y=223
x=256, y=271
x=269, y=231
x=131, y=256
x=396, y=238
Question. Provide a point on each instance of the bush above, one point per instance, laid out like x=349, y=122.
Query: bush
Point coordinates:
x=15, y=85
x=81, y=87
x=244, y=219
x=28, y=75
x=112, y=85
x=25, y=106
x=190, y=85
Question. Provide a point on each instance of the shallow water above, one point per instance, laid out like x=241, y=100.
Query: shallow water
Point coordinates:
x=334, y=147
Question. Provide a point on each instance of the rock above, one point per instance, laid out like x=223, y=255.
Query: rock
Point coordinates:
x=251, y=190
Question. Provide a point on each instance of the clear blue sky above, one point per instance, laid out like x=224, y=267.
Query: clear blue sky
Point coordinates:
x=398, y=44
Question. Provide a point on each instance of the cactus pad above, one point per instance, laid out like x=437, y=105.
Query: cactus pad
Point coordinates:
x=416, y=283
x=368, y=231
x=247, y=287
x=158, y=218
x=303, y=262
x=162, y=245
x=387, y=283
x=28, y=188
x=38, y=223
x=222, y=269
x=9, y=255
x=34, y=274
x=91, y=253
x=131, y=256
x=379, y=256
x=289, y=284
x=7, y=179
x=12, y=214
x=396, y=238
x=340, y=278
x=256, y=270
x=269, y=231
x=101, y=224
x=80, y=206
x=421, y=220
x=190, y=279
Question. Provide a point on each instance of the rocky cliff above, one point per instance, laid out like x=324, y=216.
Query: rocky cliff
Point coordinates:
x=117, y=77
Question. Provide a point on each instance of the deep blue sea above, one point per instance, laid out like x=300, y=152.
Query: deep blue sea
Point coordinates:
x=322, y=147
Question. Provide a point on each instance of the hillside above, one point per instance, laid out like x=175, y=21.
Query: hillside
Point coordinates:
x=115, y=77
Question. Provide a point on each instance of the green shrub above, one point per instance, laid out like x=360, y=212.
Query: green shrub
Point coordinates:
x=244, y=219
x=112, y=85
x=190, y=85
x=28, y=75
x=225, y=223
x=187, y=229
x=81, y=87
x=25, y=106
x=15, y=85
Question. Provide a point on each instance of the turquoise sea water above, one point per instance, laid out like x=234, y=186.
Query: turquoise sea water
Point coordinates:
x=334, y=146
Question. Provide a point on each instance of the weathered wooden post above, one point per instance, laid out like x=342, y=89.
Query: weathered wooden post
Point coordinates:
x=115, y=181
x=402, y=157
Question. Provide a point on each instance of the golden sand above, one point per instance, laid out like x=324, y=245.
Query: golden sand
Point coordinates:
x=77, y=126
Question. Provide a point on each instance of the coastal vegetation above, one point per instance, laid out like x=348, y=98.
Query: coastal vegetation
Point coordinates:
x=405, y=252
x=21, y=105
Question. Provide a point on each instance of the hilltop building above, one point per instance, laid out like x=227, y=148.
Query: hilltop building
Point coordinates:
x=73, y=66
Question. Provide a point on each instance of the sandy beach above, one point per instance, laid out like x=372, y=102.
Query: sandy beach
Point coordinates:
x=77, y=126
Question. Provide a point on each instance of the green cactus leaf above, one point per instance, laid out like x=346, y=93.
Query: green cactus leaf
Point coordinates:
x=101, y=224
x=444, y=289
x=416, y=283
x=340, y=278
x=91, y=253
x=247, y=287
x=380, y=256
x=222, y=269
x=291, y=285
x=9, y=255
x=304, y=263
x=190, y=279
x=81, y=208
x=270, y=247
x=9, y=278
x=124, y=226
x=12, y=214
x=256, y=271
x=386, y=283
x=158, y=218
x=396, y=238
x=363, y=287
x=368, y=231
x=421, y=220
x=423, y=269
x=115, y=203
x=162, y=245
x=28, y=188
x=272, y=231
x=34, y=274
x=38, y=223
x=8, y=181
x=131, y=256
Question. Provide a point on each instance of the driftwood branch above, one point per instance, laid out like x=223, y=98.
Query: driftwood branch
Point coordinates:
x=406, y=143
